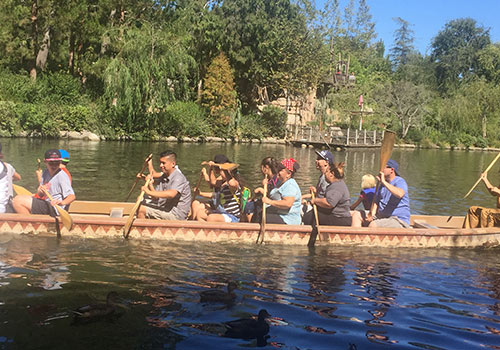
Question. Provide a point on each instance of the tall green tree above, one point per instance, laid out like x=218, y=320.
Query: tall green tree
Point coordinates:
x=403, y=43
x=455, y=51
x=219, y=95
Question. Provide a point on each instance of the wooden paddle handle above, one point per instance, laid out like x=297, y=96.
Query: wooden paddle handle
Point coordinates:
x=148, y=158
x=487, y=169
x=315, y=208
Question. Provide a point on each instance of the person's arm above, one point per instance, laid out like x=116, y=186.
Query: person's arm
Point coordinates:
x=495, y=191
x=152, y=170
x=67, y=201
x=321, y=202
x=395, y=191
x=358, y=202
x=150, y=191
x=16, y=176
x=285, y=203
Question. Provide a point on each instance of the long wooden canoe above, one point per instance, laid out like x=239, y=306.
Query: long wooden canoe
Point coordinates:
x=106, y=219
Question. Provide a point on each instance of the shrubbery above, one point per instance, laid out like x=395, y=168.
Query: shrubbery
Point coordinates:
x=183, y=119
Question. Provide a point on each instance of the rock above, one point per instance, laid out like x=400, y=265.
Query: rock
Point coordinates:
x=255, y=141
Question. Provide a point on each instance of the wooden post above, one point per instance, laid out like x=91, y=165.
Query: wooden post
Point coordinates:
x=310, y=134
x=356, y=137
x=347, y=140
x=374, y=137
x=364, y=137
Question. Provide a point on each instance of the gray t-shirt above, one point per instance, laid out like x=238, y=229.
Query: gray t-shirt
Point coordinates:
x=181, y=203
x=59, y=185
x=6, y=174
x=337, y=195
x=321, y=186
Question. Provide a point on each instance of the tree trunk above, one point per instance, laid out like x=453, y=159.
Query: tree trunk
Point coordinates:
x=43, y=53
x=34, y=36
x=71, y=53
x=484, y=124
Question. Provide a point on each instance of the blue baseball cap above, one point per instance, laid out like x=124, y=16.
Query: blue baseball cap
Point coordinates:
x=64, y=155
x=325, y=155
x=391, y=163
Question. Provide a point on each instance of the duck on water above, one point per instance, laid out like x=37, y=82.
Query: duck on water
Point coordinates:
x=219, y=296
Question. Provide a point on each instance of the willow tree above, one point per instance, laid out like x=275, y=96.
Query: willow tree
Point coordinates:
x=219, y=95
x=151, y=69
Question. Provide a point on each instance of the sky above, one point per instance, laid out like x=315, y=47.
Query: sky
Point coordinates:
x=428, y=17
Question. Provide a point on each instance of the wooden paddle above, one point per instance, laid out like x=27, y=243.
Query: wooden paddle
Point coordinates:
x=128, y=225
x=67, y=220
x=262, y=230
x=20, y=190
x=316, y=232
x=385, y=155
x=487, y=169
x=148, y=158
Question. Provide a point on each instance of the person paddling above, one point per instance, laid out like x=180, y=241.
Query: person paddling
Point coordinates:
x=225, y=200
x=7, y=175
x=484, y=217
x=284, y=201
x=169, y=193
x=57, y=184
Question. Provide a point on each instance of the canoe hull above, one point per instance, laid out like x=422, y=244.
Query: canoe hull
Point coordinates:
x=102, y=227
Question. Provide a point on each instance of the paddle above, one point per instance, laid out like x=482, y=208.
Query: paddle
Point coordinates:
x=385, y=154
x=135, y=208
x=148, y=158
x=20, y=190
x=487, y=169
x=314, y=233
x=262, y=230
x=67, y=220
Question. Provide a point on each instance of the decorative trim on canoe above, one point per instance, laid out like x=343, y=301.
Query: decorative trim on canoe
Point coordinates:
x=99, y=227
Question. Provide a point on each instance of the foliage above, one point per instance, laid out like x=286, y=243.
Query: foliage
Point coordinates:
x=273, y=121
x=218, y=95
x=403, y=43
x=251, y=127
x=183, y=119
x=455, y=51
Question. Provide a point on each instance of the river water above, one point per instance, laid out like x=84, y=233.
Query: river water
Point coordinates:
x=320, y=298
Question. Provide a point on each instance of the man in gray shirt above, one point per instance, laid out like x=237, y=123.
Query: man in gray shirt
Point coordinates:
x=170, y=193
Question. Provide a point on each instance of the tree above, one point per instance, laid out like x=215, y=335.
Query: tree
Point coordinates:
x=489, y=63
x=218, y=95
x=403, y=103
x=403, y=43
x=455, y=51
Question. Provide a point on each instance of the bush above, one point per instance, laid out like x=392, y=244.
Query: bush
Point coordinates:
x=183, y=119
x=78, y=118
x=251, y=127
x=60, y=87
x=274, y=121
x=9, y=122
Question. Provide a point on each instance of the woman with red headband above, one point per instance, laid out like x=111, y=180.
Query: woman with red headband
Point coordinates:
x=284, y=201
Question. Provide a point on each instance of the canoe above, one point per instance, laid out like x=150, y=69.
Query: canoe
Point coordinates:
x=106, y=219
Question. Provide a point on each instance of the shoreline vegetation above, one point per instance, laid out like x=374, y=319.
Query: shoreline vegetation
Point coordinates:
x=212, y=70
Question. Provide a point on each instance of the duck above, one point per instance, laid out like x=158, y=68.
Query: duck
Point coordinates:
x=93, y=312
x=220, y=296
x=248, y=328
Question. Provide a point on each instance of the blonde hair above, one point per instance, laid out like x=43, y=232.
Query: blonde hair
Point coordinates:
x=368, y=181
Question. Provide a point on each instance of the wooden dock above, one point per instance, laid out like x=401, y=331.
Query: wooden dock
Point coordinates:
x=333, y=137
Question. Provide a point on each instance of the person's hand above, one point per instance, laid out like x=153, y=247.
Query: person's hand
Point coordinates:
x=304, y=202
x=259, y=190
x=381, y=178
x=55, y=202
x=140, y=176
x=369, y=217
x=204, y=171
x=266, y=200
x=484, y=175
x=313, y=201
x=312, y=189
x=149, y=177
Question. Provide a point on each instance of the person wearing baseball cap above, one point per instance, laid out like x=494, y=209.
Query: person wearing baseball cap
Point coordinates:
x=284, y=201
x=392, y=202
x=324, y=162
x=7, y=175
x=55, y=181
x=65, y=162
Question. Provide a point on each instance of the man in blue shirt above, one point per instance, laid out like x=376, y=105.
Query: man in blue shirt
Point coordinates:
x=392, y=204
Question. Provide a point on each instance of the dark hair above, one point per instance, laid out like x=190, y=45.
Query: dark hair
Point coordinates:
x=272, y=163
x=170, y=154
x=338, y=170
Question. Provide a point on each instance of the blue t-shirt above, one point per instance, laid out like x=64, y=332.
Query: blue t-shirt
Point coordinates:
x=288, y=189
x=389, y=205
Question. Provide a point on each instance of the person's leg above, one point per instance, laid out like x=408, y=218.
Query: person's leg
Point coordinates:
x=22, y=204
x=272, y=218
x=216, y=218
x=308, y=218
x=141, y=213
x=357, y=218
x=202, y=212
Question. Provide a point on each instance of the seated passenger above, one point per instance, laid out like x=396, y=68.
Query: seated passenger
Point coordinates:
x=169, y=192
x=283, y=202
x=225, y=200
x=7, y=175
x=333, y=208
x=392, y=202
x=57, y=184
x=484, y=217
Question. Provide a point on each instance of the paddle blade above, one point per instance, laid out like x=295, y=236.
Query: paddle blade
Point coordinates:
x=66, y=219
x=386, y=148
x=20, y=190
x=227, y=166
